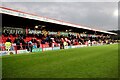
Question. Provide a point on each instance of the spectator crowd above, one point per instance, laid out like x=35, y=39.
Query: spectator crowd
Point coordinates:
x=31, y=41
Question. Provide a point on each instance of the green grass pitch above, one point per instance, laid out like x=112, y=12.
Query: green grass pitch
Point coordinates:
x=86, y=62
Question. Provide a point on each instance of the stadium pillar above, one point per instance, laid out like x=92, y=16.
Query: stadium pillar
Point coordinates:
x=52, y=46
x=42, y=47
x=16, y=49
x=26, y=30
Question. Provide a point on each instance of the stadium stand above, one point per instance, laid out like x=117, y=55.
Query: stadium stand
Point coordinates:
x=29, y=33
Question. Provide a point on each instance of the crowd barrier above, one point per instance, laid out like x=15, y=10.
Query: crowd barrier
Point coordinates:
x=13, y=49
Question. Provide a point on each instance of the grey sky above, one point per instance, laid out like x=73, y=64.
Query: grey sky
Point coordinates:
x=59, y=0
x=98, y=15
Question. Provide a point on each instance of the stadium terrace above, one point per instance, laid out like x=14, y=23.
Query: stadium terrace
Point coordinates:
x=24, y=32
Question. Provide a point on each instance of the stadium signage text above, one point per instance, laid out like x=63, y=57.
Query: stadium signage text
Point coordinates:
x=22, y=51
x=56, y=48
x=34, y=31
x=2, y=53
x=46, y=49
x=12, y=30
x=37, y=50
